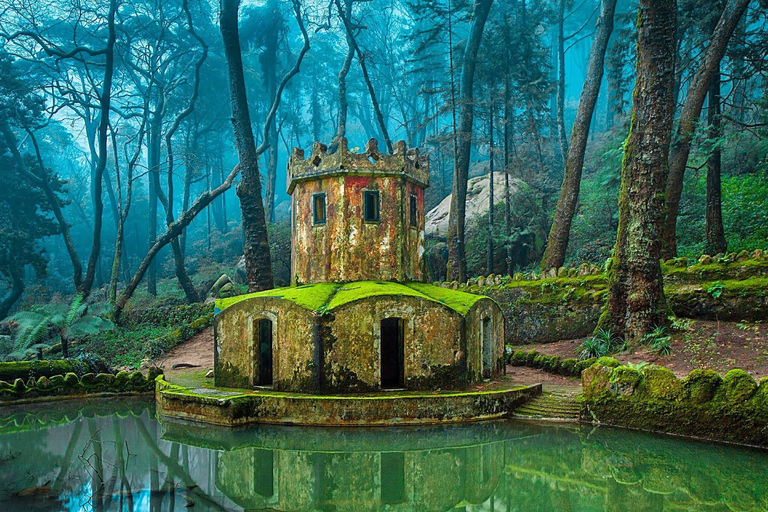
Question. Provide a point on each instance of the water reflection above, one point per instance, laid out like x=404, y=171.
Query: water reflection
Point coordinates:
x=115, y=456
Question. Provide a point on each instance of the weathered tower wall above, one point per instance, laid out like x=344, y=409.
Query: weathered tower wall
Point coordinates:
x=345, y=246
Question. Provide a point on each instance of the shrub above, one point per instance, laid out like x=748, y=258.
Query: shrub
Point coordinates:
x=602, y=343
x=518, y=358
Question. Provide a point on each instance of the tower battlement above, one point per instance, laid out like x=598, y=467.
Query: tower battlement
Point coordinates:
x=408, y=163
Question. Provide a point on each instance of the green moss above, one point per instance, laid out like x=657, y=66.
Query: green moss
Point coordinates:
x=458, y=301
x=228, y=375
x=121, y=379
x=71, y=380
x=10, y=371
x=610, y=362
x=738, y=386
x=518, y=358
x=659, y=383
x=105, y=380
x=312, y=296
x=322, y=297
x=700, y=385
x=568, y=367
x=624, y=380
x=580, y=366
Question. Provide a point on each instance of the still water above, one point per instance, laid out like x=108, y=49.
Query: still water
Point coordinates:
x=115, y=455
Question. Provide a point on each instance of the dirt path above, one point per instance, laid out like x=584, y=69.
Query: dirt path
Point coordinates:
x=197, y=351
x=548, y=381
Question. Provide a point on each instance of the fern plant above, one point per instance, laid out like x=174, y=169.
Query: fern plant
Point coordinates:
x=43, y=326
x=602, y=343
x=659, y=340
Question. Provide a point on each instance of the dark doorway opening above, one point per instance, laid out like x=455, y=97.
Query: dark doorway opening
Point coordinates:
x=392, y=353
x=487, y=352
x=265, y=352
x=263, y=472
x=392, y=478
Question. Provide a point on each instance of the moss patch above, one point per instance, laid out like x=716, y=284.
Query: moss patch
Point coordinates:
x=324, y=297
x=311, y=296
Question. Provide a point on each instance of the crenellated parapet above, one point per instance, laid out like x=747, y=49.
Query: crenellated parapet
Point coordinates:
x=408, y=163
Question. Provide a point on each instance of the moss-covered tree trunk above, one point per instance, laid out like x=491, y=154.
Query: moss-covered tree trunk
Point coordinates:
x=258, y=263
x=554, y=255
x=636, y=294
x=689, y=116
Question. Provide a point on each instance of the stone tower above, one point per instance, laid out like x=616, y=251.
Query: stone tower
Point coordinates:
x=357, y=216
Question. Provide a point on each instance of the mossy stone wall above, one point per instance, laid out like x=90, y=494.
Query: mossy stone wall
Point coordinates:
x=555, y=308
x=70, y=384
x=236, y=361
x=732, y=408
x=432, y=344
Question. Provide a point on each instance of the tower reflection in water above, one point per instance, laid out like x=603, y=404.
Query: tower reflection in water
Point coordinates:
x=430, y=479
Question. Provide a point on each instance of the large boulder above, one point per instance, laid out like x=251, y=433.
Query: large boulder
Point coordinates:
x=478, y=193
x=240, y=271
x=223, y=287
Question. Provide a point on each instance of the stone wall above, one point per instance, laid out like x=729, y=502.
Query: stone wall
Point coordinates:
x=731, y=408
x=566, y=303
x=235, y=357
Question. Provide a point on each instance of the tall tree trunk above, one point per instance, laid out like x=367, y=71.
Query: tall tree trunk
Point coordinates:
x=554, y=255
x=341, y=130
x=40, y=180
x=153, y=178
x=697, y=92
x=17, y=288
x=562, y=137
x=104, y=103
x=269, y=68
x=508, y=147
x=714, y=217
x=345, y=14
x=489, y=262
x=636, y=294
x=316, y=112
x=457, y=260
x=258, y=263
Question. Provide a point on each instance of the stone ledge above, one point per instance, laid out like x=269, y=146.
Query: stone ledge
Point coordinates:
x=235, y=409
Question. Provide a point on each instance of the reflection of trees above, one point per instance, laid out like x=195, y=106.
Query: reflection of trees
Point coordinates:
x=173, y=466
x=122, y=464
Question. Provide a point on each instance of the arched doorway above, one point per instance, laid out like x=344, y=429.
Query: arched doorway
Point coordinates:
x=263, y=352
x=392, y=355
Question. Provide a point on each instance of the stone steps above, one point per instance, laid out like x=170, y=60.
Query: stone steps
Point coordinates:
x=550, y=406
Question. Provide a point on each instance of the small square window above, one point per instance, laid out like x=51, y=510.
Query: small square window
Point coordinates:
x=413, y=212
x=371, y=205
x=318, y=208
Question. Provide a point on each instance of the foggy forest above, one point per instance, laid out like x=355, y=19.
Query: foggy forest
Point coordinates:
x=144, y=146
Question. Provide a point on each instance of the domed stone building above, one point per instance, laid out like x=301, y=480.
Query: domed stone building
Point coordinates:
x=358, y=316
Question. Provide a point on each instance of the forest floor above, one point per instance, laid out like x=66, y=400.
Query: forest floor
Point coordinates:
x=718, y=346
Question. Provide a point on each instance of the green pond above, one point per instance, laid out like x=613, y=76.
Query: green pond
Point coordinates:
x=116, y=455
